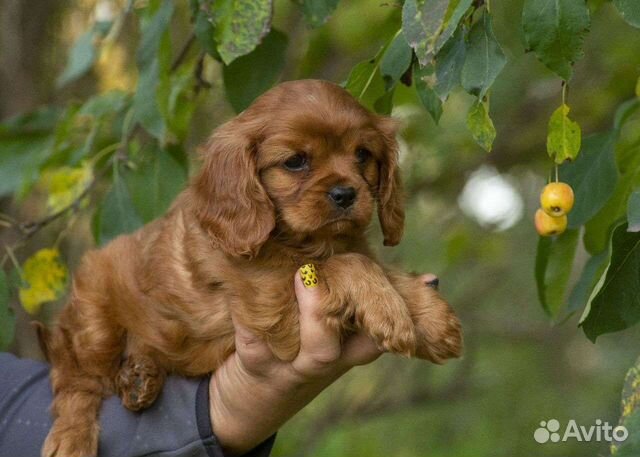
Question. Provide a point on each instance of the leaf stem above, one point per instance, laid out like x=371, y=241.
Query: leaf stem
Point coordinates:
x=112, y=147
x=377, y=63
x=14, y=261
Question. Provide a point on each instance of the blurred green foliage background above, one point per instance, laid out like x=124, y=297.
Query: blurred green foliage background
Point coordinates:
x=519, y=368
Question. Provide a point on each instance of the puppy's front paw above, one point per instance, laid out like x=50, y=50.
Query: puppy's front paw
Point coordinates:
x=388, y=322
x=67, y=439
x=439, y=333
x=139, y=382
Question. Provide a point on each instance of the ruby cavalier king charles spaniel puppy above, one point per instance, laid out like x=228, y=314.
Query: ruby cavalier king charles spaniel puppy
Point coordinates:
x=293, y=180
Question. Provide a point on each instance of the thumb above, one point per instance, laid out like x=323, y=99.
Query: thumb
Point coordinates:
x=319, y=344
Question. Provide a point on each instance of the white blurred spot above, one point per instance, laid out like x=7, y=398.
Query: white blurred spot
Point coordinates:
x=491, y=199
x=105, y=11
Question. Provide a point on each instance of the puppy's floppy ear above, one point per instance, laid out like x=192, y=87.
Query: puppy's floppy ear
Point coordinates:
x=390, y=196
x=231, y=203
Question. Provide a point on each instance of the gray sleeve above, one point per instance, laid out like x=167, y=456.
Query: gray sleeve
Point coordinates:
x=177, y=424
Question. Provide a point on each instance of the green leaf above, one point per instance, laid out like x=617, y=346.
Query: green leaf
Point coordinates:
x=484, y=60
x=240, y=25
x=249, y=76
x=422, y=22
x=633, y=211
x=624, y=112
x=616, y=306
x=449, y=63
x=317, y=12
x=555, y=31
x=145, y=101
x=41, y=121
x=26, y=143
x=564, y=136
x=554, y=260
x=593, y=177
x=598, y=230
x=155, y=184
x=117, y=214
x=630, y=414
x=153, y=31
x=7, y=317
x=205, y=34
x=153, y=58
x=180, y=103
x=591, y=273
x=629, y=10
x=423, y=79
x=20, y=160
x=365, y=82
x=105, y=104
x=455, y=12
x=480, y=125
x=384, y=105
x=396, y=61
x=81, y=58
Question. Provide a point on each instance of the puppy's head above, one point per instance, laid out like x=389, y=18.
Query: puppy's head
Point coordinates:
x=306, y=158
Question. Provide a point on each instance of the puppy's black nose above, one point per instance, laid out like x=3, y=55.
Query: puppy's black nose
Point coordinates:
x=342, y=196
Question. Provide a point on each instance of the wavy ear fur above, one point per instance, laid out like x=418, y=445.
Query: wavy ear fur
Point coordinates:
x=390, y=196
x=231, y=203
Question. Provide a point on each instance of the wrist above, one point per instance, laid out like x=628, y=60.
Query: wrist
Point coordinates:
x=248, y=407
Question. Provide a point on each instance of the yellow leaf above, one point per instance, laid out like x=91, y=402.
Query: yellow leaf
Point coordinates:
x=481, y=126
x=112, y=68
x=564, y=136
x=45, y=277
x=66, y=184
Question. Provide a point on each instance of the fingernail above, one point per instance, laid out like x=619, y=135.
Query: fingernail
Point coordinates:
x=309, y=275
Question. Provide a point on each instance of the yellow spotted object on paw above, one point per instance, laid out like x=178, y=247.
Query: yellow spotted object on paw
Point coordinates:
x=45, y=277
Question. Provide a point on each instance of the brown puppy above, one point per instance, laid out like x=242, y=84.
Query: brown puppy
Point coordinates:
x=292, y=180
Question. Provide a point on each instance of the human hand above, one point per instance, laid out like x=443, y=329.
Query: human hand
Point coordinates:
x=253, y=393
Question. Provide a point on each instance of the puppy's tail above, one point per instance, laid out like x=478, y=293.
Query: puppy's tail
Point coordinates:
x=44, y=338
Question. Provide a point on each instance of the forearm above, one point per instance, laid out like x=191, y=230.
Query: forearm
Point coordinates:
x=177, y=424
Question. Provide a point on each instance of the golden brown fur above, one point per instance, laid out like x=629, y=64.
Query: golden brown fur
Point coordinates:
x=160, y=300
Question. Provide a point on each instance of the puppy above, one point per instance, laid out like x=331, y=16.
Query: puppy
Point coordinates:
x=292, y=180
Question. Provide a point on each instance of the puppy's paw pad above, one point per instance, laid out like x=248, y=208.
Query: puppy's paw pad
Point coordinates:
x=139, y=382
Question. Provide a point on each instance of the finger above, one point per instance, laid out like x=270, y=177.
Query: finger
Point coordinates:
x=319, y=344
x=359, y=349
x=252, y=350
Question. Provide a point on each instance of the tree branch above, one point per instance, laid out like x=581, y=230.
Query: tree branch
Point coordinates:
x=29, y=229
x=183, y=53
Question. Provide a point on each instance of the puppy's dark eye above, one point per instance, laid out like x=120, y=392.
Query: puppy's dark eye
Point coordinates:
x=362, y=155
x=296, y=162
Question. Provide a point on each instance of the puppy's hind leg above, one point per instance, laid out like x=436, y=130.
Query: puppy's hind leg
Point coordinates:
x=84, y=357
